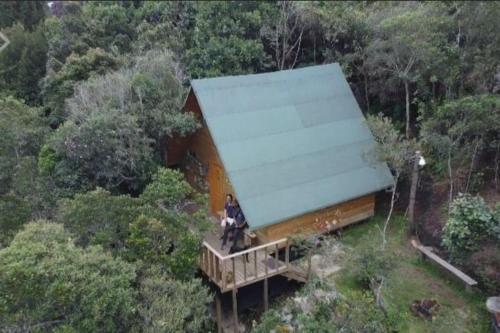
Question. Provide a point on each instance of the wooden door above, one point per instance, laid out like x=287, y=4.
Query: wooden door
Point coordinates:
x=216, y=186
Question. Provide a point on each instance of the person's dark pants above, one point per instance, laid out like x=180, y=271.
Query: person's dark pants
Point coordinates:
x=229, y=228
x=237, y=234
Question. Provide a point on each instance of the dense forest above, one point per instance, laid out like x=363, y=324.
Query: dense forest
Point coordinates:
x=96, y=235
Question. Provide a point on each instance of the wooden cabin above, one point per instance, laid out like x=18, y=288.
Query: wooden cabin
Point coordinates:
x=292, y=146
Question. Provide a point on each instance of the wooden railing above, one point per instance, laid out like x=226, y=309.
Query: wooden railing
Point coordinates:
x=246, y=267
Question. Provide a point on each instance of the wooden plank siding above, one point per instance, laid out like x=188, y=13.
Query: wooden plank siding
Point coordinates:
x=202, y=146
x=323, y=220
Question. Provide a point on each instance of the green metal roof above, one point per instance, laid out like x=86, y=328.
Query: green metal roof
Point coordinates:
x=291, y=142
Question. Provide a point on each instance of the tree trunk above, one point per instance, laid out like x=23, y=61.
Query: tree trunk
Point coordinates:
x=472, y=164
x=367, y=97
x=407, y=95
x=389, y=215
x=413, y=193
x=450, y=175
x=497, y=165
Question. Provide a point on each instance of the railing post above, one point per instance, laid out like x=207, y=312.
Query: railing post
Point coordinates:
x=243, y=258
x=266, y=295
x=287, y=254
x=265, y=261
x=276, y=259
x=255, y=264
x=234, y=273
x=224, y=278
x=209, y=259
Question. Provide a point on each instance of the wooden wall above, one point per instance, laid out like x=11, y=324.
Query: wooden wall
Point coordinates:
x=203, y=148
x=321, y=221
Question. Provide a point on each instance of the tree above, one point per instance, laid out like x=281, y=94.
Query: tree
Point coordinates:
x=150, y=91
x=48, y=283
x=22, y=63
x=22, y=130
x=405, y=44
x=164, y=25
x=393, y=149
x=457, y=130
x=284, y=32
x=475, y=27
x=27, y=13
x=99, y=218
x=226, y=39
x=343, y=35
x=58, y=86
x=153, y=228
x=107, y=149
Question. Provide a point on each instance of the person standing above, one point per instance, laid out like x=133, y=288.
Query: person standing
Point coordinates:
x=239, y=224
x=228, y=219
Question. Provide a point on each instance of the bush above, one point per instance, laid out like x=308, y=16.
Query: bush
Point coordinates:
x=319, y=307
x=47, y=283
x=470, y=223
x=173, y=306
x=370, y=263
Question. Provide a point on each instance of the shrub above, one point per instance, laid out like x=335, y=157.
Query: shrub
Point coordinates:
x=370, y=263
x=173, y=306
x=470, y=223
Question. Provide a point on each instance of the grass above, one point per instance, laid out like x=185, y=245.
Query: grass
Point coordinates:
x=413, y=279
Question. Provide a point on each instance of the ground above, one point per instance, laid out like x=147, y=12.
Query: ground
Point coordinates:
x=411, y=279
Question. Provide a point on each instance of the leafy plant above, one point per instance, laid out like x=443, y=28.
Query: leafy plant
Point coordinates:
x=370, y=263
x=470, y=222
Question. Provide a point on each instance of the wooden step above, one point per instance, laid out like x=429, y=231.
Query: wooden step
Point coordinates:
x=296, y=273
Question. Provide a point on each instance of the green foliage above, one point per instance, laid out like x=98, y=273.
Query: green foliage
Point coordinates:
x=318, y=307
x=167, y=189
x=14, y=212
x=46, y=160
x=98, y=217
x=22, y=131
x=173, y=306
x=471, y=222
x=226, y=39
x=370, y=263
x=391, y=147
x=148, y=92
x=48, y=283
x=453, y=130
x=164, y=25
x=22, y=63
x=28, y=13
x=107, y=149
x=57, y=86
x=154, y=230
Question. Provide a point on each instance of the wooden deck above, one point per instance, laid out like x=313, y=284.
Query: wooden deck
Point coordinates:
x=243, y=268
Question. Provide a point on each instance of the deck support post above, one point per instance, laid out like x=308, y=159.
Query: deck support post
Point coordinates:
x=235, y=311
x=218, y=312
x=266, y=301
